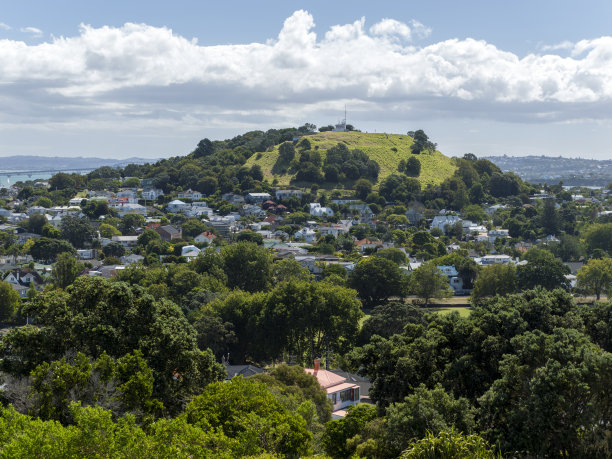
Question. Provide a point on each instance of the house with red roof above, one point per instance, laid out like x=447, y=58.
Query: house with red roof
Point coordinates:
x=341, y=392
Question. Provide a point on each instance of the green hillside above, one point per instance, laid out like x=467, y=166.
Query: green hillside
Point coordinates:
x=435, y=167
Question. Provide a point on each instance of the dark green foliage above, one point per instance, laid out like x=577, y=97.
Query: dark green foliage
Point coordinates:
x=542, y=269
x=46, y=249
x=337, y=433
x=389, y=319
x=248, y=412
x=77, y=231
x=400, y=188
x=377, y=279
x=96, y=316
x=247, y=265
x=413, y=167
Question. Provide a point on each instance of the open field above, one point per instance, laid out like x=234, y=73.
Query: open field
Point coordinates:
x=435, y=167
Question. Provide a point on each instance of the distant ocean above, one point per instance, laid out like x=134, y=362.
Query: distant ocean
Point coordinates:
x=8, y=178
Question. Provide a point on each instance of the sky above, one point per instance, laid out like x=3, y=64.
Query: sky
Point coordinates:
x=151, y=78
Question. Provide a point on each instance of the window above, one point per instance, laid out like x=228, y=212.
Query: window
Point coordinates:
x=334, y=398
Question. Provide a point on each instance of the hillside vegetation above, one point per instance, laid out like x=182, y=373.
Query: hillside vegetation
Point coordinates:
x=435, y=167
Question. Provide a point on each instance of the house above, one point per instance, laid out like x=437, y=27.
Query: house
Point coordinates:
x=131, y=259
x=24, y=277
x=130, y=208
x=341, y=392
x=493, y=260
x=239, y=370
x=232, y=198
x=190, y=194
x=22, y=290
x=152, y=194
x=365, y=244
x=455, y=282
x=257, y=198
x=362, y=209
x=177, y=206
x=206, y=237
x=87, y=254
x=286, y=194
x=442, y=221
x=306, y=234
x=317, y=211
x=495, y=233
x=335, y=229
x=37, y=210
x=169, y=232
x=190, y=252
x=253, y=210
x=126, y=241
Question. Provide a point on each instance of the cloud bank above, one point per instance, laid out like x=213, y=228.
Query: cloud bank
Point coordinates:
x=137, y=74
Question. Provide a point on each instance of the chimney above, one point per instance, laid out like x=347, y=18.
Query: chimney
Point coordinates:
x=317, y=364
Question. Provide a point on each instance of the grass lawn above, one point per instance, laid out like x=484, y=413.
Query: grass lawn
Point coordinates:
x=386, y=149
x=462, y=310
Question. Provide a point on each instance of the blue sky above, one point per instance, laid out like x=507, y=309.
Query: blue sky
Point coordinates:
x=147, y=78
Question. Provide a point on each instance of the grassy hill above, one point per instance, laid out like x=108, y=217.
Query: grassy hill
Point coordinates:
x=379, y=147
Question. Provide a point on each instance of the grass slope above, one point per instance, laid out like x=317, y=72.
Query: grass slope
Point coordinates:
x=434, y=167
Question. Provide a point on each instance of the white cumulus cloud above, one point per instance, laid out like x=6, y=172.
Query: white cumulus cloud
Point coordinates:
x=137, y=72
x=32, y=30
x=5, y=26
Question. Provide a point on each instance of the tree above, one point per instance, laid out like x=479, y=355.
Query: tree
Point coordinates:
x=288, y=270
x=377, y=279
x=426, y=411
x=129, y=223
x=113, y=249
x=337, y=433
x=499, y=279
x=36, y=223
x=77, y=231
x=66, y=270
x=95, y=316
x=286, y=152
x=363, y=187
x=108, y=231
x=396, y=255
x=389, y=319
x=450, y=445
x=552, y=396
x=599, y=236
x=247, y=266
x=9, y=300
x=542, y=269
x=549, y=218
x=413, y=167
x=46, y=249
x=596, y=277
x=191, y=228
x=427, y=282
x=250, y=236
x=247, y=411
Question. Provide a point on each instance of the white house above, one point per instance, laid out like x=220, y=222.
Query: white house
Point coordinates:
x=152, y=194
x=254, y=198
x=306, y=234
x=190, y=194
x=493, y=260
x=126, y=241
x=177, y=206
x=455, y=282
x=317, y=211
x=441, y=221
x=131, y=209
x=190, y=252
x=286, y=194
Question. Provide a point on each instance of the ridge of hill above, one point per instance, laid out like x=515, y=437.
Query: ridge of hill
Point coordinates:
x=435, y=167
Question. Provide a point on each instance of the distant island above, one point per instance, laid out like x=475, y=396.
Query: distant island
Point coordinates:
x=552, y=170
